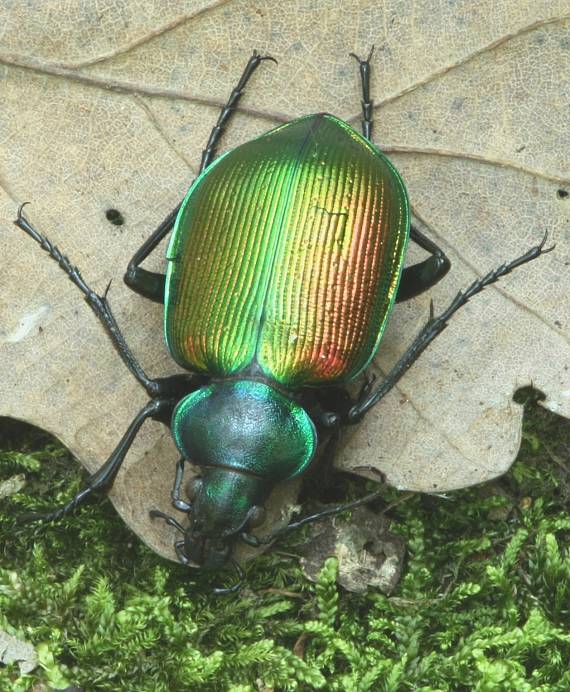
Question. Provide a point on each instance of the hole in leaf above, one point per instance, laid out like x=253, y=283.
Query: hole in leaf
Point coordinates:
x=115, y=217
x=562, y=194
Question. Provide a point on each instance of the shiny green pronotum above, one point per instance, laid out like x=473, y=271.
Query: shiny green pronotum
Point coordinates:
x=285, y=261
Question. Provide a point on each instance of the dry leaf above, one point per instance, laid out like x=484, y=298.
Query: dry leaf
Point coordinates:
x=369, y=555
x=14, y=649
x=12, y=485
x=108, y=105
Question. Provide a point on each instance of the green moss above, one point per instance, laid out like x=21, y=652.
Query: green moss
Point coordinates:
x=484, y=603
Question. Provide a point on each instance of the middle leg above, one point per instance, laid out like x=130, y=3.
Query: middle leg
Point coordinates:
x=101, y=308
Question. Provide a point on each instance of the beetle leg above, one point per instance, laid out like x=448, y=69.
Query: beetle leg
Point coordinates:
x=171, y=521
x=237, y=586
x=367, y=102
x=151, y=284
x=98, y=304
x=215, y=136
x=426, y=274
x=180, y=554
x=328, y=454
x=423, y=275
x=250, y=539
x=141, y=281
x=103, y=478
x=435, y=326
x=161, y=387
x=177, y=502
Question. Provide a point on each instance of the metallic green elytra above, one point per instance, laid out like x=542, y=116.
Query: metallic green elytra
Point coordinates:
x=286, y=256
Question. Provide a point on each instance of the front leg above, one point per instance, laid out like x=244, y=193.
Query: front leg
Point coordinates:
x=177, y=501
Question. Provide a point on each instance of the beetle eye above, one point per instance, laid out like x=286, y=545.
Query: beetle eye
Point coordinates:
x=193, y=487
x=257, y=516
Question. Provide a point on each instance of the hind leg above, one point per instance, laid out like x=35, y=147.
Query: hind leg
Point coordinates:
x=151, y=284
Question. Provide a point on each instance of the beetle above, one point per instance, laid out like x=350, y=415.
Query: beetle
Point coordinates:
x=286, y=258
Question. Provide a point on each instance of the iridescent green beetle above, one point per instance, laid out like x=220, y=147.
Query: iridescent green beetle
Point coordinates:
x=285, y=261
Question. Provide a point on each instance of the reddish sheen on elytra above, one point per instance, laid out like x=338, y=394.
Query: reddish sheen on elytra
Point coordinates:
x=288, y=251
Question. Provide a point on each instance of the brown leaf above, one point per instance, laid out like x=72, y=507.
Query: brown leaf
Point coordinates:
x=108, y=108
x=369, y=555
x=14, y=649
x=12, y=485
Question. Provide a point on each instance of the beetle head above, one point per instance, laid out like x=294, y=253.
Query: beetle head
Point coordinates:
x=225, y=503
